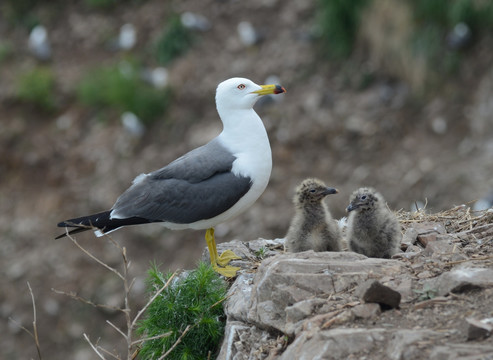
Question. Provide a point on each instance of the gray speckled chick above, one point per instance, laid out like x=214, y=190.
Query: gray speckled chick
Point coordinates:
x=312, y=227
x=373, y=230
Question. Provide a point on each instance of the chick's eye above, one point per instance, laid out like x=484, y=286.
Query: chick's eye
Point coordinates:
x=312, y=190
x=363, y=197
x=241, y=86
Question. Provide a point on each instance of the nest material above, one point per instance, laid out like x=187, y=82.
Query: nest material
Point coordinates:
x=458, y=219
x=468, y=239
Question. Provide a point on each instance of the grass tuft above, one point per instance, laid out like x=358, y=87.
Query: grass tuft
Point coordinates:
x=119, y=87
x=338, y=23
x=6, y=50
x=192, y=304
x=107, y=4
x=412, y=40
x=37, y=87
x=174, y=41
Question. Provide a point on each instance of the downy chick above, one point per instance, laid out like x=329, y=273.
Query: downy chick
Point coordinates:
x=373, y=230
x=312, y=227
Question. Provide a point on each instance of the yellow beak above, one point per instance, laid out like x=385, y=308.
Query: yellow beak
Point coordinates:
x=270, y=89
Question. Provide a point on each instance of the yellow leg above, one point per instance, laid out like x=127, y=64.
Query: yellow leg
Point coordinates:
x=219, y=262
x=211, y=245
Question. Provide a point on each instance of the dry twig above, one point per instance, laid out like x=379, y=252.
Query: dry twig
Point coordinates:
x=34, y=333
x=74, y=296
x=457, y=219
x=94, y=347
x=437, y=300
x=100, y=262
x=127, y=285
x=187, y=329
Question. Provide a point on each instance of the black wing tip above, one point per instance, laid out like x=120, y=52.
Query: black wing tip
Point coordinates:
x=60, y=236
x=79, y=226
x=99, y=221
x=64, y=224
x=69, y=223
x=77, y=230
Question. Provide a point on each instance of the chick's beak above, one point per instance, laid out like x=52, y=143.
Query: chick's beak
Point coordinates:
x=352, y=207
x=270, y=90
x=330, y=191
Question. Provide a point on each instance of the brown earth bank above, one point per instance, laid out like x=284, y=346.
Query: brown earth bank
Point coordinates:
x=433, y=148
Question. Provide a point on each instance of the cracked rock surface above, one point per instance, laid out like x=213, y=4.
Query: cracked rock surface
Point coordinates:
x=334, y=305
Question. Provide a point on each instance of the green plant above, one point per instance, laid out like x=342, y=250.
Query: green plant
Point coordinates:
x=338, y=22
x=434, y=20
x=260, y=253
x=6, y=50
x=417, y=40
x=445, y=13
x=120, y=88
x=430, y=11
x=37, y=87
x=426, y=293
x=19, y=12
x=100, y=4
x=175, y=40
x=191, y=309
x=26, y=13
x=107, y=4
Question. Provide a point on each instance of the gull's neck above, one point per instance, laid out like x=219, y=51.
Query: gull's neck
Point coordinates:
x=242, y=127
x=245, y=136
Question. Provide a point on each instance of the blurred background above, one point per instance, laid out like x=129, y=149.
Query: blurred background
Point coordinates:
x=392, y=94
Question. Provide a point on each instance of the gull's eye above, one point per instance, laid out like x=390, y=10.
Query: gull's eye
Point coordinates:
x=312, y=190
x=241, y=86
x=363, y=197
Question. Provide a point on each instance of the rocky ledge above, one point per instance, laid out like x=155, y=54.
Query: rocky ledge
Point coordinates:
x=432, y=301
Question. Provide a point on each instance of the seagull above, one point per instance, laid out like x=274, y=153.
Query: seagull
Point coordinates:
x=312, y=227
x=372, y=230
x=205, y=187
x=39, y=43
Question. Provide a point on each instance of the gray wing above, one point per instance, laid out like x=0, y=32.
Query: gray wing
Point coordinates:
x=198, y=164
x=196, y=186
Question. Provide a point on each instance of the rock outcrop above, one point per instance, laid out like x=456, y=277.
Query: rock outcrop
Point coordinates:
x=429, y=301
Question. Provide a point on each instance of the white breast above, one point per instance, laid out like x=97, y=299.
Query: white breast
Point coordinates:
x=249, y=143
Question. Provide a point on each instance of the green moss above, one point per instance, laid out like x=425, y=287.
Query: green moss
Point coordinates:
x=37, y=87
x=434, y=11
x=120, y=88
x=19, y=12
x=6, y=50
x=194, y=300
x=434, y=20
x=100, y=4
x=338, y=23
x=174, y=41
x=447, y=13
x=108, y=4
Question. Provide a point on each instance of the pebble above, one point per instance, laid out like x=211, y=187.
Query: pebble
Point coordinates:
x=372, y=291
x=479, y=329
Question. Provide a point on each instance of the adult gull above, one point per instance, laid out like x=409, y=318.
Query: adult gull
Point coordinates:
x=208, y=185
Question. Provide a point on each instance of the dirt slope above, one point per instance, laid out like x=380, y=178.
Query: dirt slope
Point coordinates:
x=68, y=163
